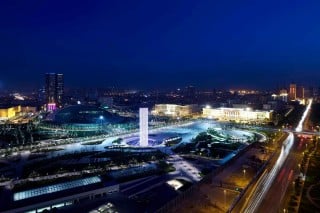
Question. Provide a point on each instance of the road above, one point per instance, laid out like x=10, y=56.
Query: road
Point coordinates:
x=304, y=116
x=253, y=198
x=217, y=193
x=267, y=194
x=274, y=200
x=277, y=194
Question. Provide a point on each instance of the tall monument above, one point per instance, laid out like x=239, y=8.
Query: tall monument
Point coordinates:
x=143, y=124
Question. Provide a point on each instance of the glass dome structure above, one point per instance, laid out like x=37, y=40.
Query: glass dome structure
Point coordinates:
x=81, y=114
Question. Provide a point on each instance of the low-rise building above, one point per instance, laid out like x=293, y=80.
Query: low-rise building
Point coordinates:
x=237, y=114
x=28, y=109
x=174, y=110
x=9, y=112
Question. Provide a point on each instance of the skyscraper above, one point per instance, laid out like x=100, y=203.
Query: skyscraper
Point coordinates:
x=60, y=89
x=293, y=92
x=190, y=91
x=300, y=92
x=54, y=87
x=50, y=87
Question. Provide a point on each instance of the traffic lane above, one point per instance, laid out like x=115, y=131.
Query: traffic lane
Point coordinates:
x=273, y=199
x=267, y=181
x=255, y=194
x=242, y=203
x=278, y=192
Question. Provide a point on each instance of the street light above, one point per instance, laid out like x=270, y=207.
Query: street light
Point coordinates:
x=293, y=184
x=244, y=173
x=225, y=198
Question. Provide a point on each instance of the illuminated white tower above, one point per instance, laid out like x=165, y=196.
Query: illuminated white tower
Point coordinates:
x=143, y=117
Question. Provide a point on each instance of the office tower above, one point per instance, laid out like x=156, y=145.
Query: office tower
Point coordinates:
x=50, y=87
x=312, y=92
x=300, y=92
x=293, y=92
x=54, y=87
x=42, y=96
x=143, y=117
x=190, y=91
x=308, y=92
x=59, y=89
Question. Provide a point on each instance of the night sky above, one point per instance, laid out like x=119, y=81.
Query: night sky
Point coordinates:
x=166, y=44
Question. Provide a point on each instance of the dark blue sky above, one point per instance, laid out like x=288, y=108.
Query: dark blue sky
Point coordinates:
x=149, y=44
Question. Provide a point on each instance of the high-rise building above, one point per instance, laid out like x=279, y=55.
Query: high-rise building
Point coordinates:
x=308, y=92
x=42, y=96
x=50, y=87
x=190, y=91
x=60, y=89
x=293, y=92
x=300, y=92
x=54, y=88
x=313, y=92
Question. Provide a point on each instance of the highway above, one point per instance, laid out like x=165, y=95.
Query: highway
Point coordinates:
x=304, y=116
x=267, y=178
x=277, y=194
x=267, y=193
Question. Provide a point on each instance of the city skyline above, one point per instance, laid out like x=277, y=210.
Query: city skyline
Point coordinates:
x=159, y=106
x=121, y=44
x=40, y=84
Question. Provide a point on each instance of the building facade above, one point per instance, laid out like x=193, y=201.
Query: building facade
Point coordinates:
x=300, y=93
x=283, y=95
x=59, y=89
x=174, y=110
x=237, y=114
x=9, y=112
x=293, y=92
x=54, y=89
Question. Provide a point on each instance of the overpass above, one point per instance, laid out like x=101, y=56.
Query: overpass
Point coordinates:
x=307, y=133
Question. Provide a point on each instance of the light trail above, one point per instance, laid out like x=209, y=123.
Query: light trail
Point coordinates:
x=266, y=181
x=304, y=116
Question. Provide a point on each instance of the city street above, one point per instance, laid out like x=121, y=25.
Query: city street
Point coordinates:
x=267, y=194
